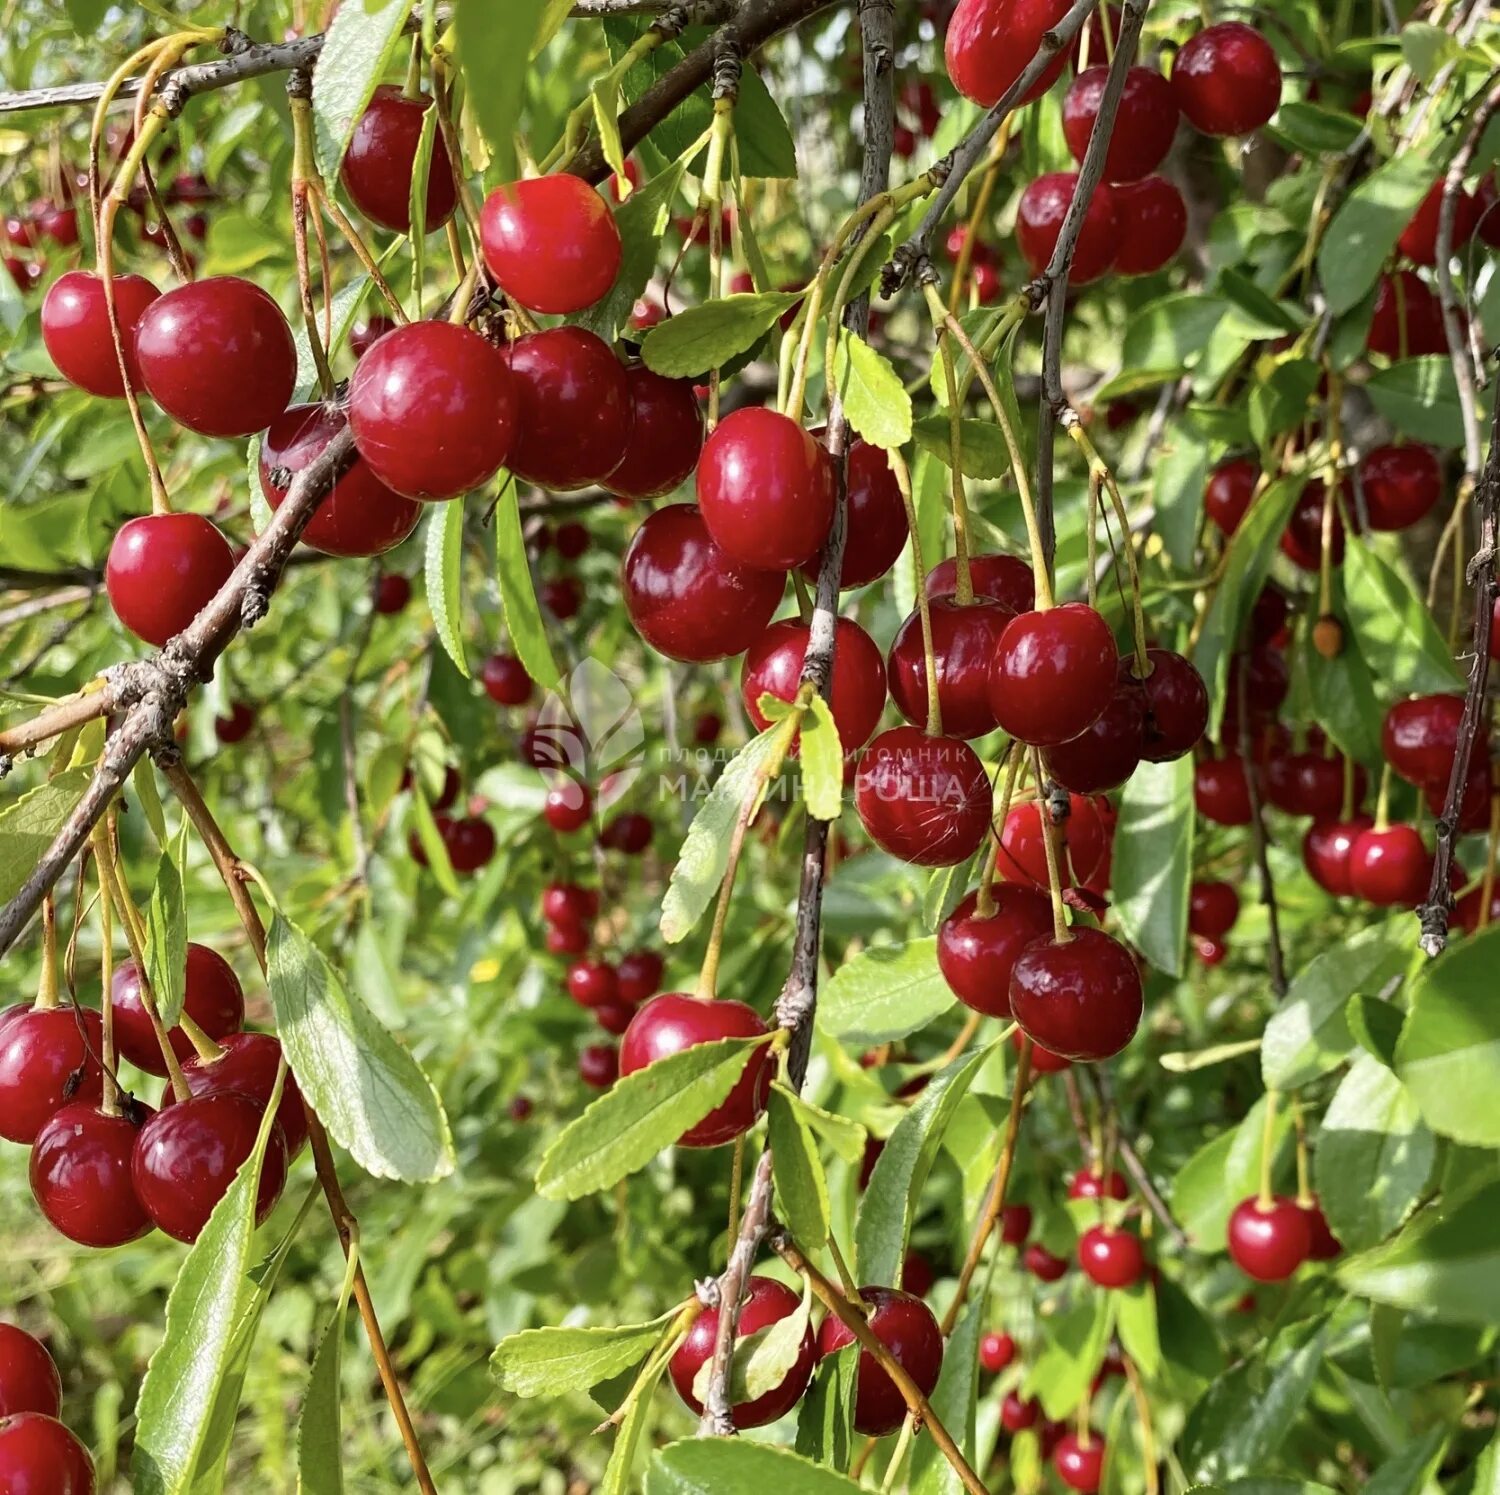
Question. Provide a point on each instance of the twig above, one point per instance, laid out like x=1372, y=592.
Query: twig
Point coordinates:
x=34, y=607
x=1099, y=1079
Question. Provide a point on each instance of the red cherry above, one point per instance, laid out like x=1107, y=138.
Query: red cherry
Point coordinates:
x=1221, y=790
x=392, y=593
x=1210, y=952
x=767, y=1302
x=248, y=1066
x=236, y=724
x=520, y=1108
x=666, y=435
x=599, y=1065
x=366, y=334
x=1016, y=1416
x=996, y=1351
x=976, y=953
x=25, y=273
x=1325, y=852
x=1405, y=303
x=561, y=597
x=1015, y=1223
x=990, y=42
x=707, y=727
x=638, y=975
x=1269, y=1244
x=1079, y=1463
x=361, y=516
x=1053, y=673
x=1153, y=222
x=1474, y=803
x=41, y=1052
x=1039, y=220
x=60, y=224
x=674, y=1021
x=567, y=903
x=591, y=983
x=1087, y=1183
x=876, y=528
x=163, y=570
x=1418, y=241
x=551, y=242
x=21, y=232
x=964, y=639
x=1111, y=1258
x=1390, y=868
x=1107, y=753
x=1042, y=1264
x=1005, y=579
x=1302, y=540
x=1081, y=997
x=1401, y=485
x=686, y=597
x=505, y=680
x=567, y=939
x=1212, y=909
x=1231, y=486
x=215, y=1001
x=1176, y=706
x=434, y=410
x=29, y=1381
x=906, y=1327
x=917, y=1275
x=1144, y=125
x=1318, y=784
x=469, y=841
x=1082, y=844
x=1227, y=79
x=568, y=806
x=773, y=666
x=1419, y=737
x=39, y=1456
x=923, y=799
x=1323, y=1244
x=382, y=160
x=80, y=1175
x=75, y=329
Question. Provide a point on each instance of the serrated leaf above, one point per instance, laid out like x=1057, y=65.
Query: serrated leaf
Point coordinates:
x=1396, y=634
x=493, y=45
x=320, y=1453
x=143, y=779
x=1419, y=398
x=523, y=618
x=553, y=1362
x=1153, y=860
x=875, y=400
x=825, y=1420
x=1376, y=1026
x=885, y=993
x=982, y=445
x=434, y=848
x=1365, y=228
x=443, y=569
x=953, y=1401
x=28, y=825
x=845, y=1136
x=619, y=1472
x=822, y=762
x=357, y=46
x=604, y=97
x=801, y=1184
x=166, y=931
x=707, y=336
x=733, y=1466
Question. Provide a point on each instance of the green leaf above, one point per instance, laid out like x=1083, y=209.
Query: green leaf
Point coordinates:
x=523, y=618
x=875, y=400
x=801, y=1184
x=825, y=1421
x=981, y=445
x=604, y=96
x=1365, y=228
x=143, y=778
x=732, y=1466
x=1164, y=339
x=1341, y=692
x=1419, y=397
x=320, y=1452
x=639, y=1115
x=1428, y=49
x=1221, y=1173
x=494, y=45
x=822, y=762
x=885, y=993
x=1408, y=1471
x=1376, y=1026
x=357, y=48
x=1487, y=1469
x=1179, y=476
x=844, y=1136
x=364, y=1085
x=1315, y=130
x=1189, y=1343
x=1076, y=1342
x=642, y=220
x=953, y=1400
x=444, y=572
x=1135, y=1322
x=553, y=1362
x=1397, y=635
x=704, y=337
x=1254, y=312
x=434, y=848
x=1280, y=402
x=761, y=136
x=28, y=825
x=619, y=1474
x=1153, y=861
x=166, y=932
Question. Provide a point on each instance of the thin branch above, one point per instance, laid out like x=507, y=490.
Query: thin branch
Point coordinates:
x=1099, y=1079
x=34, y=607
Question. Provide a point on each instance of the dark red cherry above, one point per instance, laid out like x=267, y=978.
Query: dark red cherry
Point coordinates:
x=1302, y=539
x=629, y=832
x=675, y=1021
x=1107, y=753
x=567, y=903
x=1111, y=1258
x=1210, y=952
x=75, y=329
x=1082, y=844
x=80, y=1175
x=1144, y=124
x=1212, y=909
x=1325, y=852
x=1318, y=784
x=1079, y=1462
x=996, y=1351
x=1005, y=579
x=917, y=1275
x=1419, y=737
x=1401, y=485
x=638, y=975
x=568, y=805
x=990, y=42
x=1418, y=241
x=1015, y=1223
x=906, y=1327
x=469, y=841
x=567, y=939
x=1042, y=1264
x=766, y=490
x=1231, y=486
x=707, y=728
x=1152, y=220
x=392, y=593
x=773, y=666
x=1088, y=1183
x=964, y=639
x=25, y=273
x=1039, y=220
x=1323, y=1244
x=214, y=1000
x=236, y=724
x=1080, y=997
x=686, y=597
x=247, y=1066
x=505, y=680
x=561, y=597
x=1176, y=706
x=434, y=410
x=21, y=232
x=571, y=540
x=1390, y=868
x=1017, y=1415
x=1408, y=319
x=29, y=1381
x=361, y=516
x=976, y=953
x=877, y=528
x=42, y=1050
x=1269, y=1244
x=666, y=436
x=382, y=160
x=1268, y=615
x=592, y=983
x=1474, y=802
x=520, y=1108
x=217, y=356
x=366, y=334
x=599, y=1065
x=1221, y=790
x=767, y=1302
x=39, y=1456
x=163, y=570
x=551, y=242
x=1227, y=79
x=1053, y=673
x=923, y=799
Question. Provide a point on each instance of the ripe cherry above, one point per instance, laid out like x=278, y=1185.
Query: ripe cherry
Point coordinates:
x=1088, y=1183
x=990, y=42
x=568, y=805
x=434, y=410
x=80, y=1174
x=1015, y=1223
x=505, y=680
x=236, y=724
x=39, y=1456
x=877, y=528
x=917, y=1275
x=1111, y=1258
x=366, y=334
x=48, y=1057
x=561, y=597
x=186, y=1157
x=1176, y=706
x=767, y=1302
x=1221, y=790
x=1418, y=241
x=1419, y=737
x=1053, y=673
x=1408, y=319
x=707, y=728
x=591, y=983
x=469, y=841
x=1227, y=79
x=996, y=1351
x=1401, y=485
x=1231, y=486
x=57, y=222
x=686, y=597
x=1212, y=909
x=1016, y=1415
x=638, y=975
x=75, y=329
x=520, y=1108
x=1153, y=222
x=976, y=953
x=392, y=593
x=1325, y=852
x=613, y=1017
x=248, y=1066
x=1210, y=952
x=382, y=158
x=1005, y=579
x=1270, y=1243
x=1105, y=754
x=773, y=666
x=964, y=639
x=163, y=570
x=1302, y=539
x=599, y=1065
x=217, y=356
x=214, y=1000
x=1144, y=125
x=567, y=939
x=1079, y=1461
x=923, y=799
x=1082, y=844
x=1390, y=868
x=29, y=1381
x=1042, y=1264
x=1323, y=1244
x=1080, y=997
x=568, y=903
x=666, y=435
x=1039, y=220
x=675, y=1021
x=551, y=242
x=906, y=1327
x=573, y=409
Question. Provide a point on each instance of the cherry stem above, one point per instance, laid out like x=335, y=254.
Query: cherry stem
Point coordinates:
x=1060, y=934
x=204, y=1046
x=467, y=207
x=898, y=1454
x=720, y=135
x=846, y=1277
x=1143, y=1418
x=902, y=474
x=1334, y=417
x=340, y=220
x=47, y=998
x=1304, y=1184
x=1092, y=531
x=302, y=166
x=111, y=1100
x=1013, y=764
x=1382, y=799
x=1099, y=471
x=1266, y=1198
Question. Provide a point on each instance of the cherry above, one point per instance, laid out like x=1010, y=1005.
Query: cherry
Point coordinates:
x=214, y=1000
x=976, y=953
x=567, y=939
x=469, y=841
x=1270, y=1243
x=1418, y=241
x=1390, y=867
x=613, y=1017
x=1474, y=803
x=1005, y=579
x=29, y=1381
x=1419, y=737
x=1039, y=220
x=561, y=597
x=1227, y=79
x=1488, y=225
x=1153, y=222
x=996, y=1351
x=1144, y=125
x=568, y=806
x=1210, y=952
x=382, y=160
x=599, y=1065
x=551, y=242
x=58, y=223
x=1015, y=1223
x=876, y=528
x=1107, y=753
x=1212, y=909
x=26, y=273
x=1221, y=790
x=1053, y=673
x=39, y=1456
x=766, y=490
x=80, y=1175
x=666, y=435
x=1111, y=1258
x=591, y=983
x=1176, y=706
x=236, y=724
x=21, y=232
x=675, y=1021
x=163, y=570
x=520, y=1108
x=1082, y=850
x=1016, y=1416
x=434, y=410
x=629, y=832
x=392, y=593
x=917, y=1275
x=1231, y=486
x=707, y=728
x=41, y=1051
x=923, y=799
x=1042, y=1264
x=75, y=329
x=1323, y=1244
x=1268, y=615
x=366, y=334
x=1401, y=484
x=686, y=597
x=1405, y=303
x=567, y=903
x=247, y=1066
x=906, y=1327
x=767, y=1302
x=505, y=680
x=964, y=639
x=1080, y=997
x=773, y=666
x=990, y=42
x=1302, y=539
x=1325, y=852
x=638, y=975
x=1088, y=1183
x=1079, y=1461
x=361, y=516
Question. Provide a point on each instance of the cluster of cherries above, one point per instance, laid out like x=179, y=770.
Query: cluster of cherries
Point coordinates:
x=104, y=1175
x=1269, y=1238
x=38, y=1455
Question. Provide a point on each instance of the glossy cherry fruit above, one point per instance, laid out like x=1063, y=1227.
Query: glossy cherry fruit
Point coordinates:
x=392, y=593
x=1221, y=790
x=1418, y=241
x=80, y=1174
x=1005, y=579
x=1053, y=674
x=1176, y=706
x=1042, y=1264
x=1015, y=1224
x=996, y=1351
x=977, y=952
x=1231, y=486
x=75, y=329
x=906, y=1327
x=877, y=529
x=433, y=409
x=1082, y=845
x=1419, y=737
x=1087, y=1183
x=247, y=1065
x=926, y=800
x=1269, y=1244
x=1407, y=321
x=1324, y=1245
x=1017, y=1415
x=1039, y=220
x=638, y=975
x=1079, y=1462
x=217, y=356
x=568, y=903
x=666, y=436
x=48, y=1057
x=381, y=162
x=39, y=1456
x=599, y=1065
x=1080, y=997
x=551, y=242
x=1227, y=79
x=1302, y=539
x=1213, y=908
x=686, y=597
x=1105, y=754
x=29, y=1381
x=163, y=570
x=773, y=666
x=964, y=639
x=592, y=983
x=1144, y=124
x=214, y=1000
x=1401, y=485
x=1111, y=1258
x=1390, y=868
x=1325, y=852
x=675, y=1021
x=629, y=832
x=236, y=724
x=767, y=1302
x=505, y=680
x=568, y=805
x=1153, y=221
x=990, y=42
